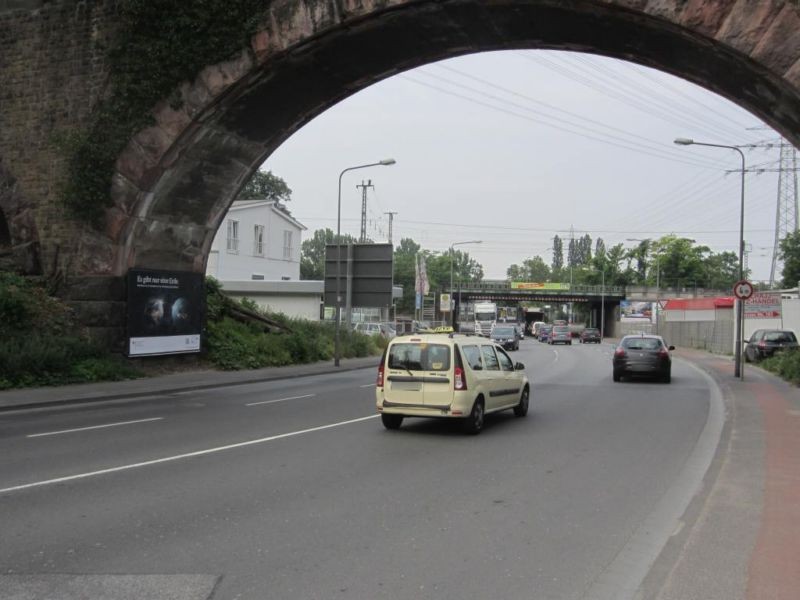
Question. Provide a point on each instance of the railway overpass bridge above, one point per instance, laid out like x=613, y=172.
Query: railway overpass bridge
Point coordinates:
x=160, y=129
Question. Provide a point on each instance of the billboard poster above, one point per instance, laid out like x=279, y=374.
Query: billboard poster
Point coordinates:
x=763, y=305
x=631, y=311
x=165, y=312
x=529, y=285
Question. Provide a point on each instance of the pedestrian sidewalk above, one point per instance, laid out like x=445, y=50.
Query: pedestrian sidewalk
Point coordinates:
x=741, y=538
x=166, y=384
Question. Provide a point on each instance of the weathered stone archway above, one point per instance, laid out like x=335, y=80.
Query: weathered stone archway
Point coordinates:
x=175, y=180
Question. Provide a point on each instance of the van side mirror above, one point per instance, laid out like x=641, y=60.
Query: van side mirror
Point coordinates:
x=672, y=347
x=519, y=367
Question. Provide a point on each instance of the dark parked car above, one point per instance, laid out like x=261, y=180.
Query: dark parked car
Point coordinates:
x=765, y=342
x=590, y=336
x=560, y=335
x=643, y=356
x=505, y=336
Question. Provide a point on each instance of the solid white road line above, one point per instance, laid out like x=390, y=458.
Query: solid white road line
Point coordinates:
x=280, y=400
x=34, y=435
x=367, y=385
x=157, y=461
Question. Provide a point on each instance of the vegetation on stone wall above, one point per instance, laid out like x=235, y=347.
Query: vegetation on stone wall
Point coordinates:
x=233, y=344
x=158, y=45
x=40, y=344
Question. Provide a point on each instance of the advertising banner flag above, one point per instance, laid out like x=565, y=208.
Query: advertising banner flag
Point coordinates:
x=165, y=312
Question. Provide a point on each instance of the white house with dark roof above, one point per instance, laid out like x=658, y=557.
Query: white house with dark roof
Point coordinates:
x=258, y=241
x=256, y=255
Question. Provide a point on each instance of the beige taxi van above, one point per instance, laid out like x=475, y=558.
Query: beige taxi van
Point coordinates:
x=448, y=376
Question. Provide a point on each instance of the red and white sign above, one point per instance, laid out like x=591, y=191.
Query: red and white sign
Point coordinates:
x=743, y=289
x=763, y=305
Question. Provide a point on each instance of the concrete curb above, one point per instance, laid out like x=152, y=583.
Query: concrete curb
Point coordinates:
x=247, y=377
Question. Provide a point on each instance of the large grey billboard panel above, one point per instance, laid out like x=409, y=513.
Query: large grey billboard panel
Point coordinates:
x=370, y=269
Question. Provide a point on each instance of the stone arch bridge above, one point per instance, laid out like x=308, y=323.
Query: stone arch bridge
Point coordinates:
x=174, y=180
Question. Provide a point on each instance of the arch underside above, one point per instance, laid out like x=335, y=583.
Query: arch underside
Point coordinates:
x=181, y=206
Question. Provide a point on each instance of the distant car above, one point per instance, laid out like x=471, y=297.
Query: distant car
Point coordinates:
x=590, y=335
x=766, y=342
x=385, y=330
x=560, y=335
x=505, y=336
x=642, y=356
x=535, y=327
x=544, y=332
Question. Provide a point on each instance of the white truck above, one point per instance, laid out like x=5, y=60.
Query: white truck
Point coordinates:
x=485, y=317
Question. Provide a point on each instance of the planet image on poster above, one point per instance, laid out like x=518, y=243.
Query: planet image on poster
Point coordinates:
x=181, y=315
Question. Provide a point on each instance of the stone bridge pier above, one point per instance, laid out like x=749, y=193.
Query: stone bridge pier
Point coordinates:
x=175, y=179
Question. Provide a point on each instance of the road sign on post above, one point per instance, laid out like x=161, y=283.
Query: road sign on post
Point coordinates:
x=743, y=289
x=368, y=280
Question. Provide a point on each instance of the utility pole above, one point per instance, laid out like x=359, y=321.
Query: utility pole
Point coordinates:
x=786, y=218
x=364, y=187
x=391, y=218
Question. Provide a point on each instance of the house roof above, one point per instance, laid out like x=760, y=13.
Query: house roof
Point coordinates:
x=699, y=303
x=272, y=205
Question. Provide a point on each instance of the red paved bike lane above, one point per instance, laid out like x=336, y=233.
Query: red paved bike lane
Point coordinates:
x=774, y=570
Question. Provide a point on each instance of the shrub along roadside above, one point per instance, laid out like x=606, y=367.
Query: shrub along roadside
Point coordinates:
x=234, y=345
x=40, y=344
x=784, y=364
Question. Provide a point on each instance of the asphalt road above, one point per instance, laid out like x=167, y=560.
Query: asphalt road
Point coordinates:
x=293, y=489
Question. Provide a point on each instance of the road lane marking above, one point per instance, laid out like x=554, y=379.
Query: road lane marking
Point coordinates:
x=280, y=400
x=166, y=459
x=34, y=435
x=367, y=385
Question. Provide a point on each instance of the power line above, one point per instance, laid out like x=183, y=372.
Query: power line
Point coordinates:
x=551, y=125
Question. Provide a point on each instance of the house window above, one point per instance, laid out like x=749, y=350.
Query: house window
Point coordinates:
x=233, y=236
x=258, y=241
x=287, y=245
x=257, y=277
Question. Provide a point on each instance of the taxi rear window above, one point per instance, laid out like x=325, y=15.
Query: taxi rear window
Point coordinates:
x=419, y=357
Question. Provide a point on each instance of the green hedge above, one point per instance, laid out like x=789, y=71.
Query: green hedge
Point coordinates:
x=785, y=364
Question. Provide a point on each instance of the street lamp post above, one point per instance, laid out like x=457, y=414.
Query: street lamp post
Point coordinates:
x=740, y=307
x=337, y=326
x=452, y=312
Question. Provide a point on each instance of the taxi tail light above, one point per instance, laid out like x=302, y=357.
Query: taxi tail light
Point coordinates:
x=663, y=353
x=461, y=382
x=379, y=380
x=619, y=352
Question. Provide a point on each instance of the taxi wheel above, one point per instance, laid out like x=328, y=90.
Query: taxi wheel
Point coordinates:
x=392, y=421
x=521, y=409
x=474, y=422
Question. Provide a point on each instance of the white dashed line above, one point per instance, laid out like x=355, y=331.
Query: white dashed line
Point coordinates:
x=34, y=435
x=280, y=400
x=157, y=461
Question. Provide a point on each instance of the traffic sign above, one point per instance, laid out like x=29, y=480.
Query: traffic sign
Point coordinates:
x=743, y=289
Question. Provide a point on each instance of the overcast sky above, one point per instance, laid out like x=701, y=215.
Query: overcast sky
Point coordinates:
x=512, y=148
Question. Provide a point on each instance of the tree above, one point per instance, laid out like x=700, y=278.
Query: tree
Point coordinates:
x=721, y=271
x=558, y=255
x=532, y=269
x=263, y=185
x=405, y=256
x=790, y=255
x=312, y=253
